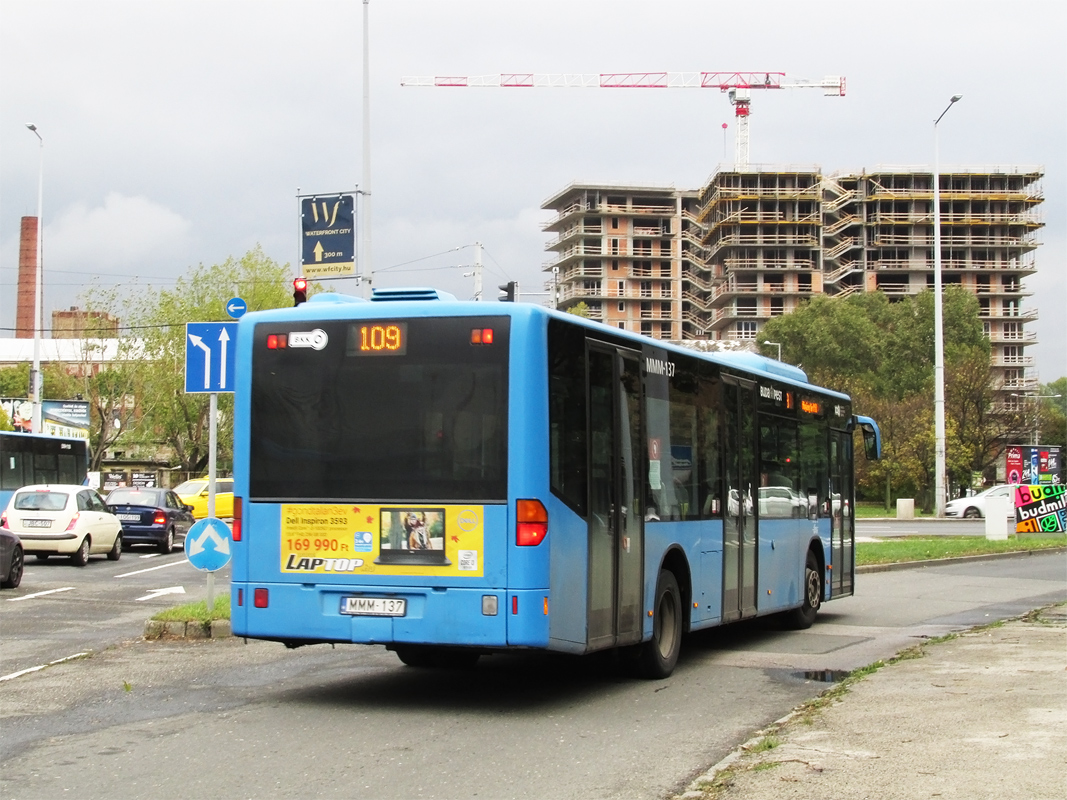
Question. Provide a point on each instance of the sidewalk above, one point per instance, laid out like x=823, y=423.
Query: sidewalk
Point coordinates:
x=981, y=715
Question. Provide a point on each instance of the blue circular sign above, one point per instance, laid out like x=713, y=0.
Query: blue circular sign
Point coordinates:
x=207, y=545
x=236, y=307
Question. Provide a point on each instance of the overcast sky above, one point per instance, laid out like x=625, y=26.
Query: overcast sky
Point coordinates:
x=178, y=133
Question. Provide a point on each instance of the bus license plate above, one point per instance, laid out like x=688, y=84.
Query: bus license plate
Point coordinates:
x=37, y=523
x=374, y=606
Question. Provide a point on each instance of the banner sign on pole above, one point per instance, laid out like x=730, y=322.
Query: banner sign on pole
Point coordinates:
x=328, y=235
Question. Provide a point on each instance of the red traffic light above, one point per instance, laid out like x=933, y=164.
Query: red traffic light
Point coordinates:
x=300, y=290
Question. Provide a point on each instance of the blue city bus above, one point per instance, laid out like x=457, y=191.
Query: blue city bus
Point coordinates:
x=29, y=458
x=451, y=479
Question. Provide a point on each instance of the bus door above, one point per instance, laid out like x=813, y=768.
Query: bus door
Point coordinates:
x=842, y=531
x=740, y=534
x=616, y=523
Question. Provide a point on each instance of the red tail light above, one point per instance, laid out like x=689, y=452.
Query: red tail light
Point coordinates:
x=3, y=520
x=73, y=521
x=159, y=519
x=531, y=523
x=261, y=598
x=236, y=527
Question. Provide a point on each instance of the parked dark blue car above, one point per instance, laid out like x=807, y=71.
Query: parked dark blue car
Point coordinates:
x=151, y=516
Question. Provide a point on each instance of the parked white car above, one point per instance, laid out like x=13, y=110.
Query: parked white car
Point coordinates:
x=974, y=507
x=59, y=519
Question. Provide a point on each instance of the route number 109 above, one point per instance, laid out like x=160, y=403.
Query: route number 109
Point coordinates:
x=381, y=339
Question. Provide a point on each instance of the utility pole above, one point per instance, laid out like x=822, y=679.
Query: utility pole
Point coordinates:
x=365, y=270
x=477, y=272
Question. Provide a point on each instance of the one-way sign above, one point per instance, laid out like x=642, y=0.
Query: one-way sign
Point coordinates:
x=209, y=356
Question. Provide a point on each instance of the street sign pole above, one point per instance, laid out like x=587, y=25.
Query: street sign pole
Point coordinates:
x=209, y=369
x=211, y=464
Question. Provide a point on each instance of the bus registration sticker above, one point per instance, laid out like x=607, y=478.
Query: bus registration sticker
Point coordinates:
x=337, y=539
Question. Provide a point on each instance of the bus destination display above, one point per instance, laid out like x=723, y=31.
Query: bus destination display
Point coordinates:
x=378, y=339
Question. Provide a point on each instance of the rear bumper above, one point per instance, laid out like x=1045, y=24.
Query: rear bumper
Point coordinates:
x=62, y=543
x=446, y=616
x=143, y=535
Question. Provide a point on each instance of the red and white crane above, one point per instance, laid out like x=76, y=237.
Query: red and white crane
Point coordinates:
x=738, y=86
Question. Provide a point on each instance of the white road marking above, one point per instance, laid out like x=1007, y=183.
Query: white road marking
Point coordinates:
x=150, y=555
x=150, y=569
x=41, y=666
x=40, y=594
x=154, y=593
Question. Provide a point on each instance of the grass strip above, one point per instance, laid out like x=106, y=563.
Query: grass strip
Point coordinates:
x=197, y=612
x=914, y=548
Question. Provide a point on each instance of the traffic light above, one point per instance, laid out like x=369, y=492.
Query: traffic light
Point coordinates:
x=300, y=290
x=508, y=290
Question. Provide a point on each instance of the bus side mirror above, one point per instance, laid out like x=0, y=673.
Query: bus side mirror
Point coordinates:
x=872, y=436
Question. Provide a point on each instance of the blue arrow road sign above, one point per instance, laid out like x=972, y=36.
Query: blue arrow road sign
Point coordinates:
x=209, y=356
x=207, y=545
x=236, y=307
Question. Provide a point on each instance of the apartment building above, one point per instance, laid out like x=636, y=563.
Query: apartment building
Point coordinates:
x=626, y=252
x=754, y=243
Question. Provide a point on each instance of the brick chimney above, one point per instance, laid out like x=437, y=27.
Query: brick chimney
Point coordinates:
x=24, y=316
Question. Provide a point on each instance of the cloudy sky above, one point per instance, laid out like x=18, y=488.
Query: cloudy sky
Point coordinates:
x=178, y=133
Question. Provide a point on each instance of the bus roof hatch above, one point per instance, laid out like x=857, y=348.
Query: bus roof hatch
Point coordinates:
x=410, y=293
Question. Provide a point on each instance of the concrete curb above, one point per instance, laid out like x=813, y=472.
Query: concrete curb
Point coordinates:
x=172, y=629
x=937, y=562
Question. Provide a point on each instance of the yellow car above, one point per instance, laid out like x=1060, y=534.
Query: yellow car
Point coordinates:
x=194, y=493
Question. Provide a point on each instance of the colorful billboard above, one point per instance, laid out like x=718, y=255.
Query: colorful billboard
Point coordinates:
x=1041, y=509
x=1030, y=464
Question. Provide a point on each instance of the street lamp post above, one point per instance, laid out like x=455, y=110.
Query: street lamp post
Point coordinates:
x=35, y=374
x=939, y=336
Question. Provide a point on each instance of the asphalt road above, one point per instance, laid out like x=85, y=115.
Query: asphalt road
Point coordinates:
x=182, y=719
x=925, y=527
x=60, y=610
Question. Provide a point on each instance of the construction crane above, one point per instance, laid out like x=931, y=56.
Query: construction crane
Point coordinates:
x=738, y=86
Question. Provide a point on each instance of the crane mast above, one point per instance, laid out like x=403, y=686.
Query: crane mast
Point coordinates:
x=737, y=85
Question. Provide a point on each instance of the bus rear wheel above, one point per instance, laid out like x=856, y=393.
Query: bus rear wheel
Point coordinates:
x=659, y=655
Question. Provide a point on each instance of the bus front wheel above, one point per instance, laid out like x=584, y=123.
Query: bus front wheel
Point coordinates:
x=659, y=655
x=803, y=617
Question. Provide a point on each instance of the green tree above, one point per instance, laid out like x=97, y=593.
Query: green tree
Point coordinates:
x=882, y=353
x=834, y=341
x=165, y=414
x=58, y=383
x=1052, y=413
x=579, y=309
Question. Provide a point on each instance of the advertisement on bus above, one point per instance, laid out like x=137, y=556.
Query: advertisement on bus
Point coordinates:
x=69, y=418
x=381, y=540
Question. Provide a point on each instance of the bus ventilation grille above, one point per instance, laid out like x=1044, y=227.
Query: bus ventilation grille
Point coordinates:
x=413, y=293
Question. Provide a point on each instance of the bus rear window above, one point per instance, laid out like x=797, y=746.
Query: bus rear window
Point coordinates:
x=424, y=421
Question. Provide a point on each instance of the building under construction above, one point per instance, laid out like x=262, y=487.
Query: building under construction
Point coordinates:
x=753, y=243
